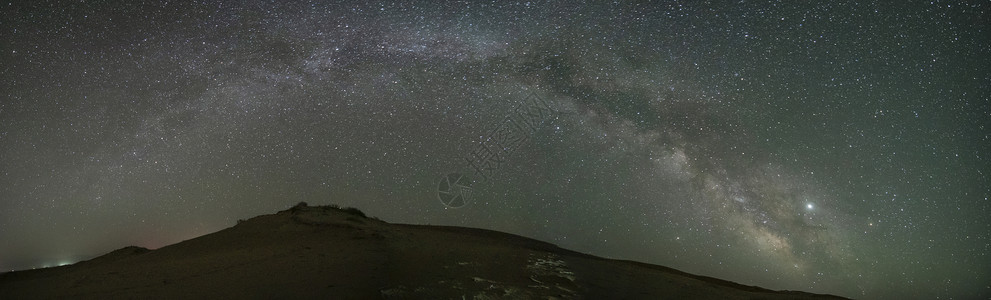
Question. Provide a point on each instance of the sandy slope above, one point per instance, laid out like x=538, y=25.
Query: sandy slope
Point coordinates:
x=327, y=253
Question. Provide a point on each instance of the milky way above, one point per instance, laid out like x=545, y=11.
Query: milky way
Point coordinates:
x=836, y=148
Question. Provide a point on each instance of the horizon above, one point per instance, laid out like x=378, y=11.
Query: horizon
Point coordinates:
x=297, y=241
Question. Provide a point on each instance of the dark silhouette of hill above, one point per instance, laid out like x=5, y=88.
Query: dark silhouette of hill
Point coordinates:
x=330, y=253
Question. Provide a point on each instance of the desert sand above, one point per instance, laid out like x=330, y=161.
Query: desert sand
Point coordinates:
x=329, y=253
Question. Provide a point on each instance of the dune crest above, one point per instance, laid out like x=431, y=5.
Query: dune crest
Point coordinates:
x=330, y=252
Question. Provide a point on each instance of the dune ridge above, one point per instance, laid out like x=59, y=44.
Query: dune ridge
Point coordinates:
x=339, y=253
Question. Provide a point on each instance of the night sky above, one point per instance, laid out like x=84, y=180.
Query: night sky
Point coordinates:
x=832, y=148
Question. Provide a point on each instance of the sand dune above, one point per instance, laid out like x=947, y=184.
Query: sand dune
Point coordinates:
x=329, y=253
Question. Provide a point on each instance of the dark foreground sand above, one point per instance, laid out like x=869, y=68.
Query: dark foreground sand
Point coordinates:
x=328, y=253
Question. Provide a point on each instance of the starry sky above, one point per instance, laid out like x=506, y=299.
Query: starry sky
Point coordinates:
x=831, y=148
